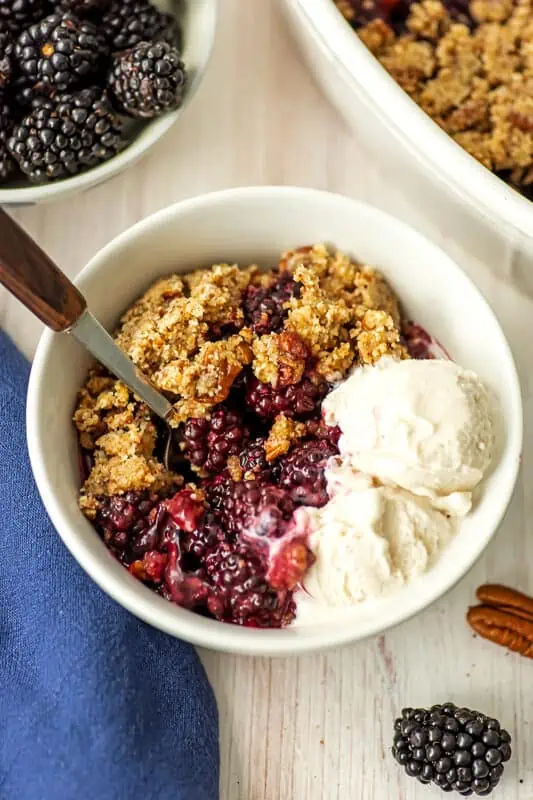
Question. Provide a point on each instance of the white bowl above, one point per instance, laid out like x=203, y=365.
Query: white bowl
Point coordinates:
x=255, y=225
x=413, y=151
x=198, y=28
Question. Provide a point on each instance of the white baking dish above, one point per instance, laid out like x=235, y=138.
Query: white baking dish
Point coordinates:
x=482, y=212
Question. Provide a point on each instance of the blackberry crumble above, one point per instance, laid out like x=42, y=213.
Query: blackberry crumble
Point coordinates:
x=467, y=64
x=246, y=358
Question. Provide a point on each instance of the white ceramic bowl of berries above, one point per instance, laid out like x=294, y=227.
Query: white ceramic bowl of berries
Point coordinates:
x=138, y=546
x=87, y=87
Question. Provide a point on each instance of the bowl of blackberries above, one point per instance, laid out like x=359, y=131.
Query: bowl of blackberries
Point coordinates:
x=88, y=86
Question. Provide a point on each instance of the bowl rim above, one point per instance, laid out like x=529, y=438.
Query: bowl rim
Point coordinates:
x=213, y=634
x=148, y=135
x=419, y=134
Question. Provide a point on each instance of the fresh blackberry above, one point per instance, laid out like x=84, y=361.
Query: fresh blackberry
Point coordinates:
x=263, y=306
x=241, y=593
x=82, y=7
x=59, y=52
x=7, y=47
x=456, y=748
x=301, y=472
x=128, y=22
x=61, y=138
x=147, y=79
x=296, y=400
x=7, y=164
x=17, y=14
x=208, y=443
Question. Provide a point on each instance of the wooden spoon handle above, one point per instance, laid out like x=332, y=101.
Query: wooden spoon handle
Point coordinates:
x=28, y=273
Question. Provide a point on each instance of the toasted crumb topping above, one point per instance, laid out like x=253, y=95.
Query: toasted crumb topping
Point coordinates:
x=191, y=336
x=283, y=433
x=475, y=80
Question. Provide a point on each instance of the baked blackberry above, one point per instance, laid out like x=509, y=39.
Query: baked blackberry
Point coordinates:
x=263, y=306
x=209, y=442
x=253, y=459
x=128, y=22
x=252, y=509
x=7, y=164
x=7, y=47
x=63, y=137
x=240, y=592
x=455, y=748
x=17, y=14
x=147, y=79
x=302, y=472
x=59, y=52
x=296, y=400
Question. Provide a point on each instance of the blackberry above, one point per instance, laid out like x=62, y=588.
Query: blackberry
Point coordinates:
x=263, y=306
x=7, y=164
x=128, y=22
x=208, y=443
x=297, y=400
x=147, y=79
x=204, y=538
x=241, y=594
x=61, y=138
x=17, y=14
x=59, y=52
x=7, y=47
x=130, y=522
x=301, y=472
x=253, y=510
x=455, y=748
x=253, y=459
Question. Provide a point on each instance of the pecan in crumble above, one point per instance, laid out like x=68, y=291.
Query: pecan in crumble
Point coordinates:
x=466, y=63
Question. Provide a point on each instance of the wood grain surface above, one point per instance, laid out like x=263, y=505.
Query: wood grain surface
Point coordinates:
x=319, y=727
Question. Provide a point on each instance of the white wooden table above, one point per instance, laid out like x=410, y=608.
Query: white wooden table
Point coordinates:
x=317, y=727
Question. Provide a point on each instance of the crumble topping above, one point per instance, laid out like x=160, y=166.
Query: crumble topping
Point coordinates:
x=193, y=336
x=283, y=433
x=472, y=72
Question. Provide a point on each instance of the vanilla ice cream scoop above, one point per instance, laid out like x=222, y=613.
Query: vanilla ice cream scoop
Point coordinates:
x=425, y=426
x=370, y=539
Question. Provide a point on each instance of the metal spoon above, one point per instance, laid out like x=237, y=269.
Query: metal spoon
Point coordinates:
x=31, y=275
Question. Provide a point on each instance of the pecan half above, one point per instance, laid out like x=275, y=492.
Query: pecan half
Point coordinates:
x=505, y=618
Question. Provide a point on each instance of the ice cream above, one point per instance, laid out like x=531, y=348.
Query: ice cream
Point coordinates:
x=424, y=426
x=370, y=539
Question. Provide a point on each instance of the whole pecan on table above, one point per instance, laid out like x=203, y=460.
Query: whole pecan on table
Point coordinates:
x=505, y=617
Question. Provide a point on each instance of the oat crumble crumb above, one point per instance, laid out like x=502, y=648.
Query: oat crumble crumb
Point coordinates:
x=283, y=433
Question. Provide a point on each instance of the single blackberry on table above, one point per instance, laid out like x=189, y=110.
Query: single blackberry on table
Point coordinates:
x=263, y=306
x=17, y=14
x=7, y=48
x=59, y=51
x=456, y=748
x=209, y=442
x=7, y=164
x=63, y=137
x=147, y=79
x=240, y=592
x=301, y=472
x=296, y=400
x=128, y=22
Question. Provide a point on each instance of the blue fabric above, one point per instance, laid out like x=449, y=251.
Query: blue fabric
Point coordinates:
x=94, y=704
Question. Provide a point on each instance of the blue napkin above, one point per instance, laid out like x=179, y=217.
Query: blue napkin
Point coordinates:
x=94, y=704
